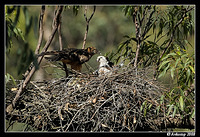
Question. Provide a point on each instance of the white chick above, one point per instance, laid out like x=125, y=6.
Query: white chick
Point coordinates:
x=104, y=66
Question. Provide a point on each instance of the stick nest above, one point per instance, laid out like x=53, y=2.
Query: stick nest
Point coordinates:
x=127, y=100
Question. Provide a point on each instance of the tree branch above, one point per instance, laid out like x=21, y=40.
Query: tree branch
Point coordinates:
x=41, y=31
x=61, y=45
x=87, y=25
x=138, y=35
x=60, y=34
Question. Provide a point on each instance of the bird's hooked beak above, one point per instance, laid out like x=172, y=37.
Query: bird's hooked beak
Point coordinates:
x=97, y=51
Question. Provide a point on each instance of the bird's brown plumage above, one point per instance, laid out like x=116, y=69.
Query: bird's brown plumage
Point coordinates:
x=71, y=56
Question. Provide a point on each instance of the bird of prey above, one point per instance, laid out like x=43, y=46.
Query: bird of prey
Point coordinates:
x=71, y=56
x=105, y=65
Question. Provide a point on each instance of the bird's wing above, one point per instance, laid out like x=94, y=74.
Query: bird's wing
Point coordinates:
x=111, y=64
x=65, y=55
x=74, y=57
x=108, y=67
x=52, y=58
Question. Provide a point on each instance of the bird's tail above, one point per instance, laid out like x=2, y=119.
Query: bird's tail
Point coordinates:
x=52, y=58
x=48, y=53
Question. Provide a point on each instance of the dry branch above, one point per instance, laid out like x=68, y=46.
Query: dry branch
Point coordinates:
x=41, y=31
x=60, y=34
x=87, y=25
x=138, y=35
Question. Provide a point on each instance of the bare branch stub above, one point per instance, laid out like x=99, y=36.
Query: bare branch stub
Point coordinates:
x=87, y=25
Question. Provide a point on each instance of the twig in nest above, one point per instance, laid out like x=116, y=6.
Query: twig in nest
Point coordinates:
x=103, y=104
x=74, y=117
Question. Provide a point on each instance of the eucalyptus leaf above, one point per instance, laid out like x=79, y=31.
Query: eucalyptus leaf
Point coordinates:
x=181, y=103
x=188, y=75
x=192, y=68
x=170, y=109
x=193, y=113
x=172, y=72
x=174, y=112
x=177, y=61
x=163, y=63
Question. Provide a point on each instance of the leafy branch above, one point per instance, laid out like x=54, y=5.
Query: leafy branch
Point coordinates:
x=173, y=33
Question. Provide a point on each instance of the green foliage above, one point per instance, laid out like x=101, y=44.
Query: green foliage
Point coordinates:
x=125, y=50
x=175, y=22
x=146, y=20
x=180, y=103
x=28, y=20
x=24, y=55
x=160, y=105
x=170, y=27
x=145, y=107
x=128, y=10
x=8, y=77
x=14, y=126
x=181, y=67
x=12, y=13
x=76, y=9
